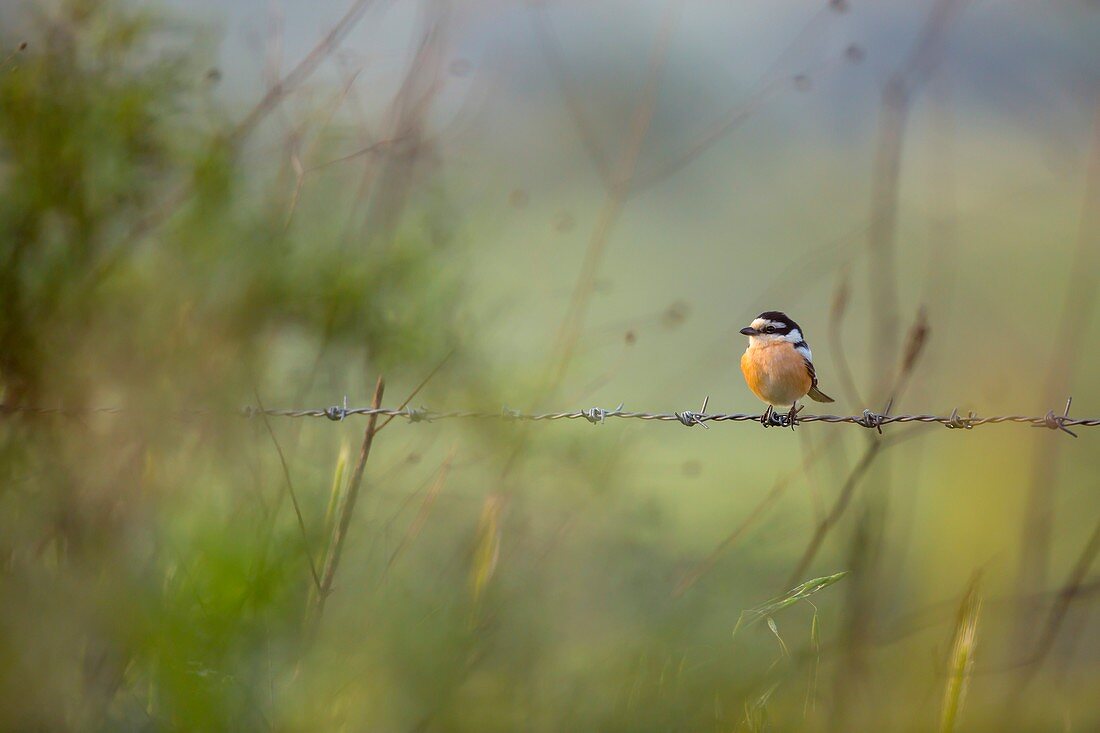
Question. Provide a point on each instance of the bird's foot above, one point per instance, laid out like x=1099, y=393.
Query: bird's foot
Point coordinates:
x=791, y=418
x=766, y=417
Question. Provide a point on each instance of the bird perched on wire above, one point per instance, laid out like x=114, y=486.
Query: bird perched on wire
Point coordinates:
x=778, y=365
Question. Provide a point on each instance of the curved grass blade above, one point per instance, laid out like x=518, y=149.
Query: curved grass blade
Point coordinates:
x=800, y=592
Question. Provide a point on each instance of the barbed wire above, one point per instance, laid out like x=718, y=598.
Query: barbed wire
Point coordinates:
x=596, y=415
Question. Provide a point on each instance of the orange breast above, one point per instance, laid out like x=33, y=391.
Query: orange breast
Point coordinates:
x=776, y=373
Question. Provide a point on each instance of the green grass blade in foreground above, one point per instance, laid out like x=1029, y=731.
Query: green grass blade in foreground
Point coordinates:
x=961, y=661
x=800, y=592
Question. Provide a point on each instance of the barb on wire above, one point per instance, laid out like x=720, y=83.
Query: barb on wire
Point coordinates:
x=1058, y=422
x=689, y=418
x=596, y=415
x=417, y=414
x=960, y=423
x=869, y=419
x=336, y=413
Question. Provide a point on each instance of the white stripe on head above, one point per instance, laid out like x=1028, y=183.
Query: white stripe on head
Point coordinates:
x=759, y=323
x=794, y=336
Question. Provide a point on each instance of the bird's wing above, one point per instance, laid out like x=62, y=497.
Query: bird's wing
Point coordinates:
x=807, y=357
x=814, y=393
x=810, y=369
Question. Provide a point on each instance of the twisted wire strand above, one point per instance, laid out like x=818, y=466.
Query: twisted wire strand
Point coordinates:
x=596, y=415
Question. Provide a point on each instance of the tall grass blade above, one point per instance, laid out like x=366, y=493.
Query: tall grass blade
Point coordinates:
x=815, y=646
x=337, y=489
x=336, y=494
x=961, y=661
x=756, y=711
x=421, y=518
x=487, y=547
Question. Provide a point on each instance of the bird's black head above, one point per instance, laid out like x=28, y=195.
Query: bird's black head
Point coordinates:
x=772, y=323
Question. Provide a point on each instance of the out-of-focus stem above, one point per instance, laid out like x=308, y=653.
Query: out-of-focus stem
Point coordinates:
x=1080, y=299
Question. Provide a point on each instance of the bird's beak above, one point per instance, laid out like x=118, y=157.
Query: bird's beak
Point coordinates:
x=749, y=331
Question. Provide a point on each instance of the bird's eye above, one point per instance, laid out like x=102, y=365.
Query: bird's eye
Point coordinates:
x=769, y=329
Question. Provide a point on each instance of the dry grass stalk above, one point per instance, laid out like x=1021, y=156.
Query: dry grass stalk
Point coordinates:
x=838, y=509
x=293, y=499
x=769, y=499
x=1072, y=590
x=1080, y=299
x=302, y=71
x=837, y=310
x=622, y=175
x=421, y=518
x=340, y=530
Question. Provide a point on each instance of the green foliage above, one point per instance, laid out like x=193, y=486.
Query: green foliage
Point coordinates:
x=85, y=138
x=142, y=262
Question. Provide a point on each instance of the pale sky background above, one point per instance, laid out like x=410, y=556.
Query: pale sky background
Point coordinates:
x=1007, y=115
x=998, y=137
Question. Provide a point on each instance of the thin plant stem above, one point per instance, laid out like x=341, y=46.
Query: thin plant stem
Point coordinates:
x=837, y=511
x=293, y=499
x=769, y=499
x=340, y=531
x=1057, y=615
x=1080, y=299
x=623, y=174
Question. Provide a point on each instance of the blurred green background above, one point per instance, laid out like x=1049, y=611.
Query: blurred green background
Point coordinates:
x=544, y=206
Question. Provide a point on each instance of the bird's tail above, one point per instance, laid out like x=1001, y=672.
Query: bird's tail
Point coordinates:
x=818, y=396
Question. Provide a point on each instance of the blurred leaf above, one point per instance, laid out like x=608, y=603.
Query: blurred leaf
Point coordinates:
x=487, y=547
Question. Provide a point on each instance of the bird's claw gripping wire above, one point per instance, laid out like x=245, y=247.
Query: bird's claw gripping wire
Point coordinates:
x=1057, y=422
x=772, y=419
x=792, y=416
